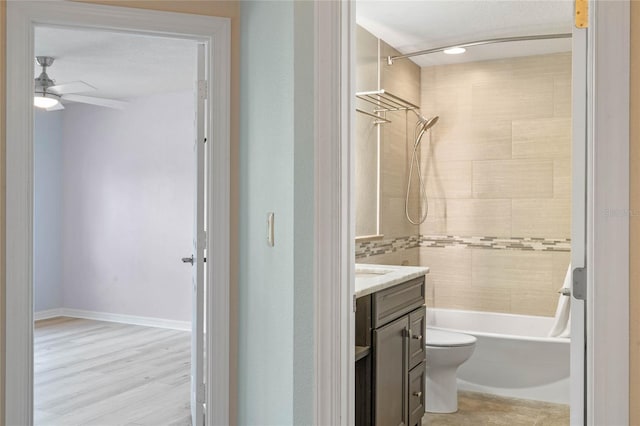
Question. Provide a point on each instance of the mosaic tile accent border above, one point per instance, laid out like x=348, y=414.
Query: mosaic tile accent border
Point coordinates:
x=498, y=243
x=373, y=248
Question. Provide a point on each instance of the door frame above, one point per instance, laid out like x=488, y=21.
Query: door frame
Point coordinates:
x=607, y=254
x=607, y=237
x=22, y=16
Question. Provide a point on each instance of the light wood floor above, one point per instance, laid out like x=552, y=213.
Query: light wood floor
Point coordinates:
x=106, y=374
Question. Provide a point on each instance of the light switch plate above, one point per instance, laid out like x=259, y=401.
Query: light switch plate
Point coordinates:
x=270, y=231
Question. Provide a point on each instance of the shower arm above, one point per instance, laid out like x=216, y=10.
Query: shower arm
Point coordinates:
x=391, y=59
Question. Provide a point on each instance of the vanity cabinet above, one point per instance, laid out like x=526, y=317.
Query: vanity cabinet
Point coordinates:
x=390, y=379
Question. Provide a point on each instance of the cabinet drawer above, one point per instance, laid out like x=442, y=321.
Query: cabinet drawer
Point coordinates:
x=417, y=328
x=397, y=301
x=416, y=395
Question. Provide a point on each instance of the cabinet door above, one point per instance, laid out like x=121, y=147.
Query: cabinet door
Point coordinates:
x=417, y=325
x=391, y=373
x=416, y=395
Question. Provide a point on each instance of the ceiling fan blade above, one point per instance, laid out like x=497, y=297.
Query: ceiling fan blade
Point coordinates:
x=109, y=103
x=72, y=87
x=56, y=107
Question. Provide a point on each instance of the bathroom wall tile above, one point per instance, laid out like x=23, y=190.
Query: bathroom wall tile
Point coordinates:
x=366, y=60
x=393, y=222
x=562, y=96
x=477, y=217
x=454, y=103
x=542, y=138
x=511, y=269
x=447, y=179
x=470, y=298
x=533, y=302
x=366, y=158
x=447, y=266
x=533, y=97
x=435, y=223
x=408, y=257
x=499, y=116
x=562, y=176
x=551, y=64
x=475, y=72
x=366, y=176
x=427, y=78
x=550, y=218
x=470, y=140
x=561, y=261
x=402, y=78
x=396, y=152
x=513, y=179
x=493, y=101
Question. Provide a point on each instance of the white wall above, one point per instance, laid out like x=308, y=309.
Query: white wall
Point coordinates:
x=128, y=207
x=47, y=271
x=275, y=339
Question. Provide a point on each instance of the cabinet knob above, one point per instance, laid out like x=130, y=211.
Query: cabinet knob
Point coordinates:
x=419, y=337
x=418, y=394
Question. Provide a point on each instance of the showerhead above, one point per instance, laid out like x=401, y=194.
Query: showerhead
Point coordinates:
x=424, y=125
x=429, y=123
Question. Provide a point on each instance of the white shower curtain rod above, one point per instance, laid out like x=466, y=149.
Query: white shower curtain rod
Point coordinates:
x=391, y=59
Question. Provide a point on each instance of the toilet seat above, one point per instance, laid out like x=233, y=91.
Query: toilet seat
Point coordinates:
x=440, y=338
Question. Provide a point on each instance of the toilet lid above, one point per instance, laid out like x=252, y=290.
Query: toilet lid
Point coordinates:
x=448, y=338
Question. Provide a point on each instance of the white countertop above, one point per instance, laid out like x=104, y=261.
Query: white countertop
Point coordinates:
x=373, y=278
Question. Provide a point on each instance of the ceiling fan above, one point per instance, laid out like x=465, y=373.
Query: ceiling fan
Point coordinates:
x=48, y=95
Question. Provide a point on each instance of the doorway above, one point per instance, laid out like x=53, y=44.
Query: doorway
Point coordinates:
x=213, y=99
x=114, y=210
x=603, y=366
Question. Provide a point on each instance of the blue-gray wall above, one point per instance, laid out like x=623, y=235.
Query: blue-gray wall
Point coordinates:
x=47, y=272
x=276, y=175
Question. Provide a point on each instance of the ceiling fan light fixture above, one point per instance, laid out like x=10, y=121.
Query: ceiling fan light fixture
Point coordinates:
x=40, y=100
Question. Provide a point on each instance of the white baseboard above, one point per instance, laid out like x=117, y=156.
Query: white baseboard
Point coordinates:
x=48, y=313
x=120, y=318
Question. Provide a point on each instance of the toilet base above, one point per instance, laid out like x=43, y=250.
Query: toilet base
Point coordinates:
x=442, y=391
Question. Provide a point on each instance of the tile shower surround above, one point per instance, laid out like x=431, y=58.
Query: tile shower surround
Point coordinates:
x=385, y=246
x=498, y=174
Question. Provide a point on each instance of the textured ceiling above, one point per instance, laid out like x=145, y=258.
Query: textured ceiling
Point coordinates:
x=119, y=65
x=416, y=25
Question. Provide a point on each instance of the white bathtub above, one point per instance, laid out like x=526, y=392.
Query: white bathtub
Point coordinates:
x=513, y=356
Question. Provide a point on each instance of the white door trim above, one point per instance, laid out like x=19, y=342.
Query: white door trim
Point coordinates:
x=334, y=218
x=215, y=32
x=607, y=303
x=607, y=237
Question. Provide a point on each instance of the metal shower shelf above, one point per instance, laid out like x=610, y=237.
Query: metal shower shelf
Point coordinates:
x=379, y=119
x=386, y=101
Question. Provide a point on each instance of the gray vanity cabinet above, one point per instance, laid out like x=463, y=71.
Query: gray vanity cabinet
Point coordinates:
x=390, y=372
x=390, y=379
x=416, y=394
x=417, y=327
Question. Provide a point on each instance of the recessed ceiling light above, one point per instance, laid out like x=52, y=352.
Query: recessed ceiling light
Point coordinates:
x=455, y=50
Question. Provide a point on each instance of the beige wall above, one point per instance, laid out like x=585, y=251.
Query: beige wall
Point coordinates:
x=229, y=9
x=366, y=136
x=634, y=237
x=498, y=165
x=396, y=146
x=402, y=79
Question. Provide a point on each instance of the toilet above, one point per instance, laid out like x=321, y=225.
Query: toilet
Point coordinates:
x=445, y=352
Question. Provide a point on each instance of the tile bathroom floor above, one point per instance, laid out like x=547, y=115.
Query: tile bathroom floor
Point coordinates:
x=475, y=409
